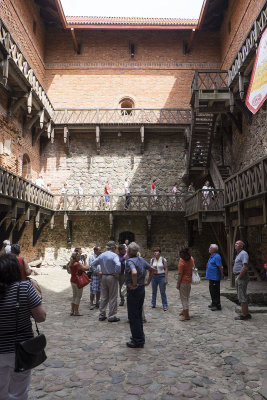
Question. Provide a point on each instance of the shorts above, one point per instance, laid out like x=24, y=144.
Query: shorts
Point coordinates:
x=107, y=198
x=95, y=284
x=241, y=287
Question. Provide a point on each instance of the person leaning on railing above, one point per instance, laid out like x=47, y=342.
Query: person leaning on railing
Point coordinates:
x=63, y=195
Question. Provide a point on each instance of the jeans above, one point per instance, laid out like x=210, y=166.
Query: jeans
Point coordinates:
x=159, y=279
x=214, y=287
x=13, y=385
x=135, y=301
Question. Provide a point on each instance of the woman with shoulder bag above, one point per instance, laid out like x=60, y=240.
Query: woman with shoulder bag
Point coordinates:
x=160, y=278
x=76, y=269
x=15, y=385
x=185, y=268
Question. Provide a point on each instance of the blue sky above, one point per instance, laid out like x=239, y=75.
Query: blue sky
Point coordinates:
x=136, y=8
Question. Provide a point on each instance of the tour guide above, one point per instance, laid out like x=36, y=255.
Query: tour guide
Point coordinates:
x=110, y=268
x=135, y=272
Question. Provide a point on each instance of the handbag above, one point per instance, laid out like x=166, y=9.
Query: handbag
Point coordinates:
x=82, y=280
x=28, y=353
x=195, y=276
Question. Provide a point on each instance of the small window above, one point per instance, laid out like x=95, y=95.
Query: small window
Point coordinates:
x=127, y=106
x=34, y=26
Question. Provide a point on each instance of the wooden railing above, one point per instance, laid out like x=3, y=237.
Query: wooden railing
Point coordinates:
x=248, y=45
x=209, y=80
x=204, y=200
x=130, y=116
x=247, y=184
x=118, y=203
x=14, y=53
x=17, y=188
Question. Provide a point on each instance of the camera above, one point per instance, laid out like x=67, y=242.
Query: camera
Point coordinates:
x=83, y=257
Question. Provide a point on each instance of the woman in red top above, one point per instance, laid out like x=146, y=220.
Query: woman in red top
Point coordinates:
x=185, y=267
x=76, y=268
x=23, y=265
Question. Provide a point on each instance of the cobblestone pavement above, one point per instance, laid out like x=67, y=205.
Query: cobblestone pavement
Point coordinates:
x=209, y=357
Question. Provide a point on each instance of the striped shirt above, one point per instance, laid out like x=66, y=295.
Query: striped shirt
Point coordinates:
x=28, y=299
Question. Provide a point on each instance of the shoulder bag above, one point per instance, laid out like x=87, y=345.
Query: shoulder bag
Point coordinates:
x=28, y=353
x=195, y=276
x=82, y=280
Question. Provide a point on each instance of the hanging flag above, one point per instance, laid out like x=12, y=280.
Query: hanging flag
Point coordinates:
x=257, y=91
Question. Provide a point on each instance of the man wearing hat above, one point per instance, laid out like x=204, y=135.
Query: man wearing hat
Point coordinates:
x=110, y=268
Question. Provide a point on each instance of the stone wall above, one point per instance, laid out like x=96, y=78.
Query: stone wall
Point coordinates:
x=249, y=146
x=120, y=157
x=168, y=232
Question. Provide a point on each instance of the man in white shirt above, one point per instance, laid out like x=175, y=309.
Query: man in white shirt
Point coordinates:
x=127, y=192
x=39, y=181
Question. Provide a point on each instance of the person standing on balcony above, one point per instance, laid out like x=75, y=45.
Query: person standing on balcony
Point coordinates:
x=40, y=182
x=206, y=193
x=7, y=247
x=80, y=193
x=127, y=193
x=107, y=194
x=154, y=191
x=214, y=273
x=63, y=195
x=160, y=278
x=191, y=188
x=240, y=271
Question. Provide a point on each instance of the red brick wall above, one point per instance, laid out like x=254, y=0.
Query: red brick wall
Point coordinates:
x=240, y=16
x=159, y=75
x=19, y=15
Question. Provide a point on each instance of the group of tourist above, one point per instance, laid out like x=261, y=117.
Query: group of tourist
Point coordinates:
x=110, y=271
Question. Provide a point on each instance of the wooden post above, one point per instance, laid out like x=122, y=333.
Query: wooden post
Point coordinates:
x=142, y=132
x=97, y=132
x=148, y=238
x=29, y=102
x=111, y=226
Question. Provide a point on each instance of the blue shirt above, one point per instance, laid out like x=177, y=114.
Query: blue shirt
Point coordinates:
x=213, y=272
x=241, y=258
x=141, y=267
x=109, y=263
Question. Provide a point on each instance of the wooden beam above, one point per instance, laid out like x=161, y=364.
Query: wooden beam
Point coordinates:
x=28, y=125
x=111, y=226
x=148, y=237
x=36, y=136
x=16, y=104
x=75, y=42
x=69, y=234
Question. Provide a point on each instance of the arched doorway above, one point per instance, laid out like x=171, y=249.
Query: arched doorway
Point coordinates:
x=26, y=166
x=126, y=235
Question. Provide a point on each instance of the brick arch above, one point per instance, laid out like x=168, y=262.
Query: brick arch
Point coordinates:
x=26, y=166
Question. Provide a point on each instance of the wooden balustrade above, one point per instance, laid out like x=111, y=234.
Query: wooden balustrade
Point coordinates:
x=130, y=116
x=247, y=183
x=159, y=203
x=15, y=55
x=17, y=188
x=204, y=200
x=209, y=80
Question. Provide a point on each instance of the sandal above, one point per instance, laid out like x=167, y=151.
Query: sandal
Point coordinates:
x=71, y=313
x=165, y=308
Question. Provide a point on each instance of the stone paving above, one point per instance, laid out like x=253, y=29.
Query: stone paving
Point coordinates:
x=209, y=357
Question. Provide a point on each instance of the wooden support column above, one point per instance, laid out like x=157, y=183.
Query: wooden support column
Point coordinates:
x=29, y=102
x=111, y=226
x=52, y=221
x=241, y=85
x=66, y=218
x=67, y=138
x=30, y=123
x=142, y=132
x=148, y=238
x=97, y=133
x=37, y=219
x=5, y=66
x=75, y=42
x=37, y=231
x=27, y=214
x=69, y=234
x=52, y=135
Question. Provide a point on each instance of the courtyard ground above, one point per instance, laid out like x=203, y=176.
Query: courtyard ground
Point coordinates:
x=209, y=357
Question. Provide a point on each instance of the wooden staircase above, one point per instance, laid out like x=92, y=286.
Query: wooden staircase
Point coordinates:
x=200, y=144
x=224, y=171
